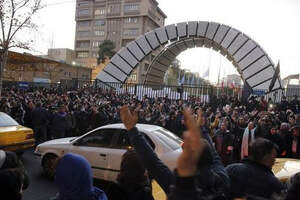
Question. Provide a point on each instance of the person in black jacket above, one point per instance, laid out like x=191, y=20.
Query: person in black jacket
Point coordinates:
x=133, y=183
x=9, y=160
x=40, y=121
x=253, y=176
x=212, y=177
x=11, y=182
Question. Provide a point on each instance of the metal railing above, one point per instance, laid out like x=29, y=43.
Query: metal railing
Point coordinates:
x=203, y=92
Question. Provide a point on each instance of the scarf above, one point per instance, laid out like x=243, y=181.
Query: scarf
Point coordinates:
x=245, y=142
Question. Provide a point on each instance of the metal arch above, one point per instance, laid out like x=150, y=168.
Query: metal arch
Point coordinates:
x=252, y=62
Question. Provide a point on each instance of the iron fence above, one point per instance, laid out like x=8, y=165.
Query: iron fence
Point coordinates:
x=203, y=92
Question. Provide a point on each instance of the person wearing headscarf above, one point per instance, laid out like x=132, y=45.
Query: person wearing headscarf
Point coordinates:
x=74, y=180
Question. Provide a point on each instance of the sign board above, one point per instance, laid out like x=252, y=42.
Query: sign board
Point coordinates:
x=259, y=92
x=23, y=85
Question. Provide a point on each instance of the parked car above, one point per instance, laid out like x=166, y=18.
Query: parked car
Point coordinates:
x=104, y=147
x=13, y=136
x=284, y=168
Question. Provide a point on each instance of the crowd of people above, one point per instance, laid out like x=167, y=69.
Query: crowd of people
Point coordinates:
x=231, y=158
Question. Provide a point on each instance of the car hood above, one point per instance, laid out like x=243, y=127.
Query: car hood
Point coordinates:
x=59, y=141
x=285, y=168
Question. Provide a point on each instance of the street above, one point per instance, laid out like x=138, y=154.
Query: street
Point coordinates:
x=40, y=188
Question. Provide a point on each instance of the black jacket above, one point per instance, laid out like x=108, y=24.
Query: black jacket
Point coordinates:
x=39, y=117
x=251, y=178
x=166, y=178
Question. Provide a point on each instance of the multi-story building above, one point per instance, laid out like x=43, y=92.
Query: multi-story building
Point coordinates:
x=62, y=55
x=120, y=21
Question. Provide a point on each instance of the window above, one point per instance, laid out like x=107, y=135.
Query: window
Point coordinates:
x=114, y=9
x=84, y=12
x=131, y=7
x=169, y=138
x=95, y=54
x=83, y=23
x=131, y=32
x=83, y=33
x=99, y=33
x=84, y=3
x=99, y=11
x=122, y=141
x=131, y=20
x=99, y=22
x=133, y=77
x=82, y=54
x=98, y=138
x=96, y=44
x=6, y=120
x=83, y=44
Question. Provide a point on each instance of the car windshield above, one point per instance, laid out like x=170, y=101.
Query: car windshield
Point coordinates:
x=169, y=138
x=6, y=120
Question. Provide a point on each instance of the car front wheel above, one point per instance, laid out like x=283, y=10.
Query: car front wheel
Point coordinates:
x=48, y=165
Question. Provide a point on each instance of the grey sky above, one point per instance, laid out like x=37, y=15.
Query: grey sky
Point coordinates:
x=274, y=24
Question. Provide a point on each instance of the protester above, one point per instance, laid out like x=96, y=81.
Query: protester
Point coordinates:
x=133, y=182
x=253, y=176
x=39, y=122
x=293, y=143
x=9, y=160
x=212, y=178
x=74, y=179
x=248, y=137
x=11, y=184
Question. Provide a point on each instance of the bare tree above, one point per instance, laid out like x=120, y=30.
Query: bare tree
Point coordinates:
x=16, y=19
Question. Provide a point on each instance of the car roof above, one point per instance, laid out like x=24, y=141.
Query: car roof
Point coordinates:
x=143, y=127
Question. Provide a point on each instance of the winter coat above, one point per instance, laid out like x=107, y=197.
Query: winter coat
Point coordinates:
x=252, y=178
x=224, y=144
x=10, y=160
x=39, y=117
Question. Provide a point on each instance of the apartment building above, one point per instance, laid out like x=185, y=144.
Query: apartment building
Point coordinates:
x=62, y=55
x=120, y=21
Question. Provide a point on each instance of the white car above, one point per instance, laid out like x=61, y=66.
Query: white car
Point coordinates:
x=104, y=147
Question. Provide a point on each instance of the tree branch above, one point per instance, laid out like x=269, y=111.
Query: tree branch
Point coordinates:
x=12, y=18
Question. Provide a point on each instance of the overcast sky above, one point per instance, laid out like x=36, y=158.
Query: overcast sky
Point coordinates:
x=274, y=24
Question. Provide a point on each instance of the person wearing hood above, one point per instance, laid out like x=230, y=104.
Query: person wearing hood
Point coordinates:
x=74, y=180
x=59, y=123
x=211, y=175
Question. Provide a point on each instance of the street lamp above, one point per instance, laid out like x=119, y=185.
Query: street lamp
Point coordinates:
x=74, y=63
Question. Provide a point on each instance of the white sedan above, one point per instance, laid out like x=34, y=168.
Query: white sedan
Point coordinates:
x=104, y=147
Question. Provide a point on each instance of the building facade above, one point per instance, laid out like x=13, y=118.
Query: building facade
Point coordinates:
x=120, y=21
x=62, y=55
x=30, y=68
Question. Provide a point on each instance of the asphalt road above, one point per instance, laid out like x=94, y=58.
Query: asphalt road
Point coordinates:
x=40, y=188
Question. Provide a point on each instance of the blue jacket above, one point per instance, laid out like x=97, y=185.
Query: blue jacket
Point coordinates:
x=165, y=177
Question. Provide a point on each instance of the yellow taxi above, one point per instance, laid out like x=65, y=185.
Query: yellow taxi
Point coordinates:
x=14, y=137
x=284, y=168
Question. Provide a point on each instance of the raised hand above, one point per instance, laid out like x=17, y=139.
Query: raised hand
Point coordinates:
x=193, y=147
x=129, y=119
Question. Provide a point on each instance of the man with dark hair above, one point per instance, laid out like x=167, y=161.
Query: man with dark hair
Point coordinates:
x=254, y=176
